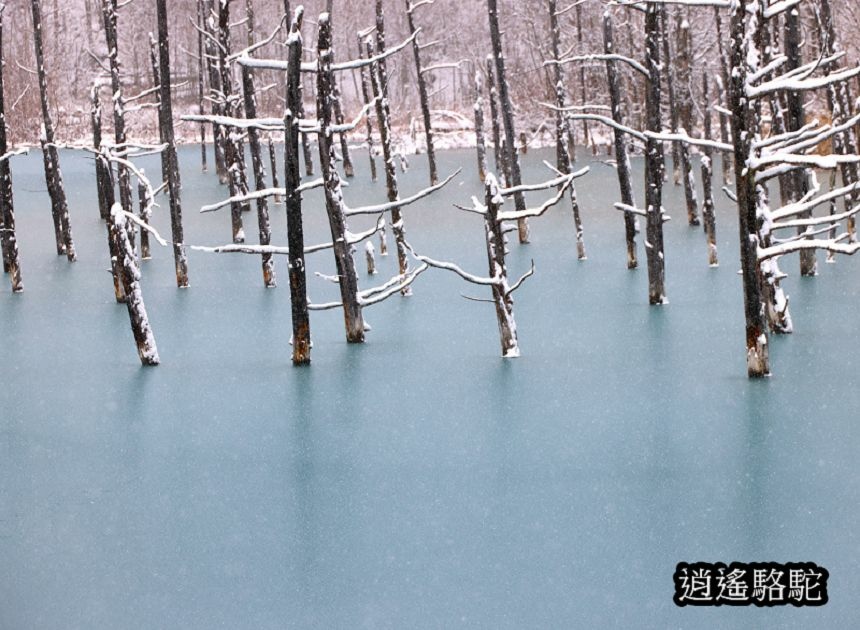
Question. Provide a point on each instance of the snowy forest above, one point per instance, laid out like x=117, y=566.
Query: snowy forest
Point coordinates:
x=766, y=86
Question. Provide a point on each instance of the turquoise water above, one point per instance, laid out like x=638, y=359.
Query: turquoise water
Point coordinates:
x=419, y=480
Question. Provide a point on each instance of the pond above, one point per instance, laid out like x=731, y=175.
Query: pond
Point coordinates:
x=418, y=480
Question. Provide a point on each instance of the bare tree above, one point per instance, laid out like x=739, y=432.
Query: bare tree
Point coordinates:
x=507, y=113
x=165, y=115
x=53, y=175
x=8, y=237
x=422, y=88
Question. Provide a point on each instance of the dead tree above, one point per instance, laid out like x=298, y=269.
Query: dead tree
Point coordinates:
x=156, y=83
x=263, y=223
x=8, y=237
x=344, y=262
x=561, y=126
x=211, y=54
x=668, y=75
x=383, y=116
x=622, y=158
x=337, y=108
x=758, y=160
x=234, y=155
x=654, y=162
x=586, y=134
x=746, y=122
x=130, y=273
x=507, y=117
x=50, y=155
x=365, y=95
x=343, y=241
x=109, y=18
x=839, y=104
x=293, y=198
x=708, y=216
x=724, y=97
x=144, y=205
x=102, y=178
x=795, y=120
x=494, y=229
x=422, y=90
x=683, y=92
x=499, y=158
x=165, y=120
x=201, y=82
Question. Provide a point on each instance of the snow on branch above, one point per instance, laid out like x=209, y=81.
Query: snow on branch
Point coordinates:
x=600, y=57
x=311, y=66
x=399, y=203
x=259, y=194
x=449, y=266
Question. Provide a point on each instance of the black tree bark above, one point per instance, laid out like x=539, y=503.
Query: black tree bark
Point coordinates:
x=344, y=262
x=292, y=181
x=507, y=117
x=50, y=155
x=165, y=119
x=622, y=157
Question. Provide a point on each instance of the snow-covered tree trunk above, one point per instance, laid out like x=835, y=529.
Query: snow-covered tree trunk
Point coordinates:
x=708, y=216
x=796, y=120
x=263, y=224
x=365, y=95
x=839, y=103
x=344, y=262
x=746, y=123
x=165, y=121
x=725, y=82
x=337, y=106
x=383, y=122
x=422, y=94
x=561, y=126
x=498, y=269
x=130, y=273
x=293, y=200
x=685, y=111
x=156, y=82
x=234, y=155
x=102, y=178
x=583, y=97
x=109, y=192
x=8, y=237
x=212, y=56
x=668, y=75
x=507, y=113
x=654, y=162
x=50, y=155
x=109, y=17
x=562, y=151
x=622, y=157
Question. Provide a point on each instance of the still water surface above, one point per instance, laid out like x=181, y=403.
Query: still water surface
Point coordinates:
x=419, y=480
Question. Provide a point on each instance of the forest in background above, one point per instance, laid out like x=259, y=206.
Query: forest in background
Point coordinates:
x=76, y=56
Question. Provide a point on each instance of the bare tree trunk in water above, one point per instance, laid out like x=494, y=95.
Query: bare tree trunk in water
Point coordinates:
x=507, y=117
